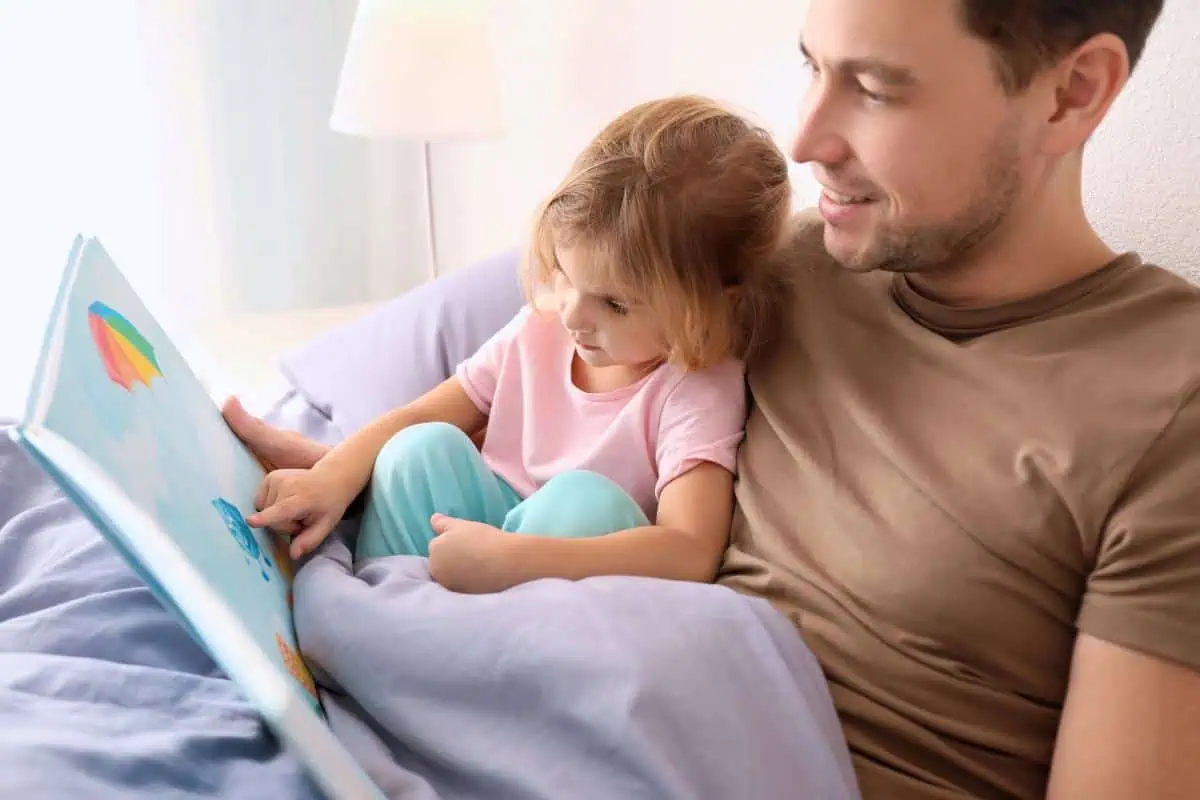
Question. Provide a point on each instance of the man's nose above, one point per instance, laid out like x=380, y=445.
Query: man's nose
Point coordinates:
x=819, y=138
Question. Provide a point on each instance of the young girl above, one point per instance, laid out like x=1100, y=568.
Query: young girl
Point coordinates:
x=613, y=404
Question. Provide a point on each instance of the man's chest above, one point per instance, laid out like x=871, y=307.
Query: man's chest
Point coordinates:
x=949, y=500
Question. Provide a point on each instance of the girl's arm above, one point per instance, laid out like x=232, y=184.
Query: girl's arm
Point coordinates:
x=351, y=462
x=686, y=542
x=308, y=503
x=702, y=421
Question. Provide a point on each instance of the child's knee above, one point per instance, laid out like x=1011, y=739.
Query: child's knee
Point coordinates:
x=592, y=486
x=414, y=449
x=579, y=504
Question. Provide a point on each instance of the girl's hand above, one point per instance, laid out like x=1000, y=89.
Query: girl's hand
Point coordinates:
x=470, y=557
x=305, y=504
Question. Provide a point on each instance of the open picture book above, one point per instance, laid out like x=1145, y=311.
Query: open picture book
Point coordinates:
x=119, y=420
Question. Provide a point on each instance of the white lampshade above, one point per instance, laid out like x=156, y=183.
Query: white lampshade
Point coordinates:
x=419, y=69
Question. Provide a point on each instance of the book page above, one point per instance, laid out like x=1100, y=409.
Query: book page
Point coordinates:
x=119, y=392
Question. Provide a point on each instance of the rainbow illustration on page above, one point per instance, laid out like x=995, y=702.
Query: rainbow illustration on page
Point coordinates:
x=128, y=357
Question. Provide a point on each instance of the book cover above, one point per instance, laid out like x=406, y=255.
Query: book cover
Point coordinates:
x=119, y=420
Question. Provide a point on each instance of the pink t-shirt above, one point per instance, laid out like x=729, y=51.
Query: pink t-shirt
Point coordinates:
x=641, y=437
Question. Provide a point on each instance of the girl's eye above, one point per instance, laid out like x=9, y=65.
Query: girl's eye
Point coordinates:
x=870, y=96
x=615, y=307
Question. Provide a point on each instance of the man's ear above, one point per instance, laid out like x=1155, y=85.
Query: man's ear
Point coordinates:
x=1083, y=87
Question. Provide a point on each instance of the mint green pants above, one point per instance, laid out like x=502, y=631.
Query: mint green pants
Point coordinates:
x=436, y=469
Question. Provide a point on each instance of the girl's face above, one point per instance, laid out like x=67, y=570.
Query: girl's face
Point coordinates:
x=608, y=330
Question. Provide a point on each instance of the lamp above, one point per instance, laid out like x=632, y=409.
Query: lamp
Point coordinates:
x=420, y=70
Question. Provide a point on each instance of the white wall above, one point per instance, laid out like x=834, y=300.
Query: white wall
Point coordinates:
x=295, y=203
x=570, y=65
x=69, y=162
x=192, y=137
x=1143, y=171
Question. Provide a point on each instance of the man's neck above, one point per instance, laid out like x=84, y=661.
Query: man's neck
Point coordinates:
x=1041, y=247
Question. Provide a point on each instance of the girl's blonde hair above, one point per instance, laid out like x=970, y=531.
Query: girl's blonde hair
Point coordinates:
x=683, y=204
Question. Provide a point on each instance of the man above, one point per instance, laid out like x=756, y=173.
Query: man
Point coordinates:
x=969, y=476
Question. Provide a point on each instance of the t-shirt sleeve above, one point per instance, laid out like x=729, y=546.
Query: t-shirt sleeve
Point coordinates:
x=480, y=373
x=703, y=420
x=1144, y=592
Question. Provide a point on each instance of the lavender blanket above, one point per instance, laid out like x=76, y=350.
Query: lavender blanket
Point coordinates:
x=607, y=688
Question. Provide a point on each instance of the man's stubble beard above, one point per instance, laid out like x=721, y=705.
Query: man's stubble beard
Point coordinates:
x=942, y=245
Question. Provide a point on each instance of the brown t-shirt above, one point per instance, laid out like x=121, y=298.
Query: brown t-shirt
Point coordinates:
x=939, y=498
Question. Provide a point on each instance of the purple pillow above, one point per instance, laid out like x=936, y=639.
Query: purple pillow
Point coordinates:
x=404, y=348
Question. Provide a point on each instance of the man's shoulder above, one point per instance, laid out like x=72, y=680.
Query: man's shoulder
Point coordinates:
x=1157, y=302
x=815, y=289
x=807, y=226
x=804, y=243
x=1164, y=283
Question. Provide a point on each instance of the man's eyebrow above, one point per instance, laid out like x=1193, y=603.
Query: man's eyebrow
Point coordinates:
x=889, y=74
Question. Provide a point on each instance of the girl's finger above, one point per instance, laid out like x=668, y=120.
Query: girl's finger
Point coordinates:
x=308, y=539
x=278, y=516
x=260, y=497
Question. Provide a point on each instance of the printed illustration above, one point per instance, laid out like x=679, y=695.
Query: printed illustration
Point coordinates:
x=296, y=666
x=242, y=534
x=128, y=358
x=283, y=560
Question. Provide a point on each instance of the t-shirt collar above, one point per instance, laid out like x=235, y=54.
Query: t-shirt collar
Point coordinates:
x=961, y=323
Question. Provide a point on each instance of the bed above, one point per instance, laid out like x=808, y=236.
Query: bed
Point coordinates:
x=605, y=688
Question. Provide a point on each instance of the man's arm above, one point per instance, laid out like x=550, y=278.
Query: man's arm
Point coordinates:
x=1131, y=717
x=1130, y=727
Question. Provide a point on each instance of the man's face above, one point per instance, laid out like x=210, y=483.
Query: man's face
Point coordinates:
x=921, y=151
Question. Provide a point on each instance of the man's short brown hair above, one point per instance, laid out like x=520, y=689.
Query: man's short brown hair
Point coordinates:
x=1029, y=35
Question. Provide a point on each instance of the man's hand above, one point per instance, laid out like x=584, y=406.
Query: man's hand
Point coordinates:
x=469, y=557
x=274, y=448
